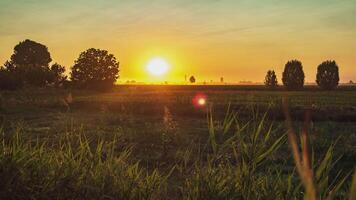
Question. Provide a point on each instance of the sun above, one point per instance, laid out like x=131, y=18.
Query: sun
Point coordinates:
x=157, y=66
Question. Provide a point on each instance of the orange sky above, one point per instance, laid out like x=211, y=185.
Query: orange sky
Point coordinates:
x=237, y=39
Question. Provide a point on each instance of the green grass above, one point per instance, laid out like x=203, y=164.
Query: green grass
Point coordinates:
x=74, y=167
x=151, y=143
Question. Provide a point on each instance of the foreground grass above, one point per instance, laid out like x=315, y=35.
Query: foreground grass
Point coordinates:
x=238, y=161
x=73, y=168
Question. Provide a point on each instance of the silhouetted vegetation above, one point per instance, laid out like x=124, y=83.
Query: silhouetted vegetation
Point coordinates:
x=95, y=69
x=192, y=79
x=8, y=81
x=29, y=65
x=293, y=75
x=271, y=79
x=30, y=62
x=327, y=76
x=57, y=77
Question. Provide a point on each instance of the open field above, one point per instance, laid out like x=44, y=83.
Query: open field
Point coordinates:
x=184, y=151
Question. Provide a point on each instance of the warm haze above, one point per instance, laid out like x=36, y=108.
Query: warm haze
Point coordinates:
x=235, y=39
x=178, y=99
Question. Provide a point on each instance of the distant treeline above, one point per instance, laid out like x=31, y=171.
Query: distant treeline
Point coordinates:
x=29, y=66
x=327, y=76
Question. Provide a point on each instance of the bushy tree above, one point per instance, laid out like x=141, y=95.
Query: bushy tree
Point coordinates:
x=327, y=76
x=293, y=75
x=95, y=69
x=192, y=79
x=29, y=52
x=57, y=77
x=271, y=79
x=30, y=62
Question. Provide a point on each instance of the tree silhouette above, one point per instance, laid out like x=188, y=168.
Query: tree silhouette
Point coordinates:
x=57, y=77
x=10, y=77
x=271, y=79
x=9, y=66
x=293, y=75
x=8, y=81
x=29, y=52
x=95, y=69
x=29, y=63
x=192, y=79
x=327, y=76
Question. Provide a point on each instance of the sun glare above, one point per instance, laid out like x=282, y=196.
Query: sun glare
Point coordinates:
x=157, y=67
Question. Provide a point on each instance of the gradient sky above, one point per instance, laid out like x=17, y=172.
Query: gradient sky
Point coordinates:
x=237, y=39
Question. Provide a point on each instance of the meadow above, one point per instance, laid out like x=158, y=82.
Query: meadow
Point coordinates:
x=152, y=142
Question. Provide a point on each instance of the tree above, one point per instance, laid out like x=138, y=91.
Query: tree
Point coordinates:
x=29, y=52
x=36, y=76
x=9, y=70
x=327, y=76
x=8, y=81
x=9, y=66
x=29, y=63
x=192, y=79
x=95, y=69
x=271, y=79
x=57, y=77
x=293, y=75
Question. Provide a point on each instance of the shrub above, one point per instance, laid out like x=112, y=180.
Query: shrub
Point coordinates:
x=293, y=75
x=327, y=76
x=271, y=79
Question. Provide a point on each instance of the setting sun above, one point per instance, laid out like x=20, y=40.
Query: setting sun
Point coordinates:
x=219, y=99
x=157, y=67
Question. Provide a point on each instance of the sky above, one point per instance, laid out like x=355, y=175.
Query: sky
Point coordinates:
x=236, y=39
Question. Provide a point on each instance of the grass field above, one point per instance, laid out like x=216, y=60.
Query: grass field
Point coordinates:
x=151, y=142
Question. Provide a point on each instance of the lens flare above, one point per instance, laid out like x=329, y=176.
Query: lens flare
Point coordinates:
x=200, y=100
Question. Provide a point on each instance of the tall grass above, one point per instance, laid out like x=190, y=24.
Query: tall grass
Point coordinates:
x=239, y=163
x=316, y=179
x=239, y=160
x=73, y=168
x=236, y=163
